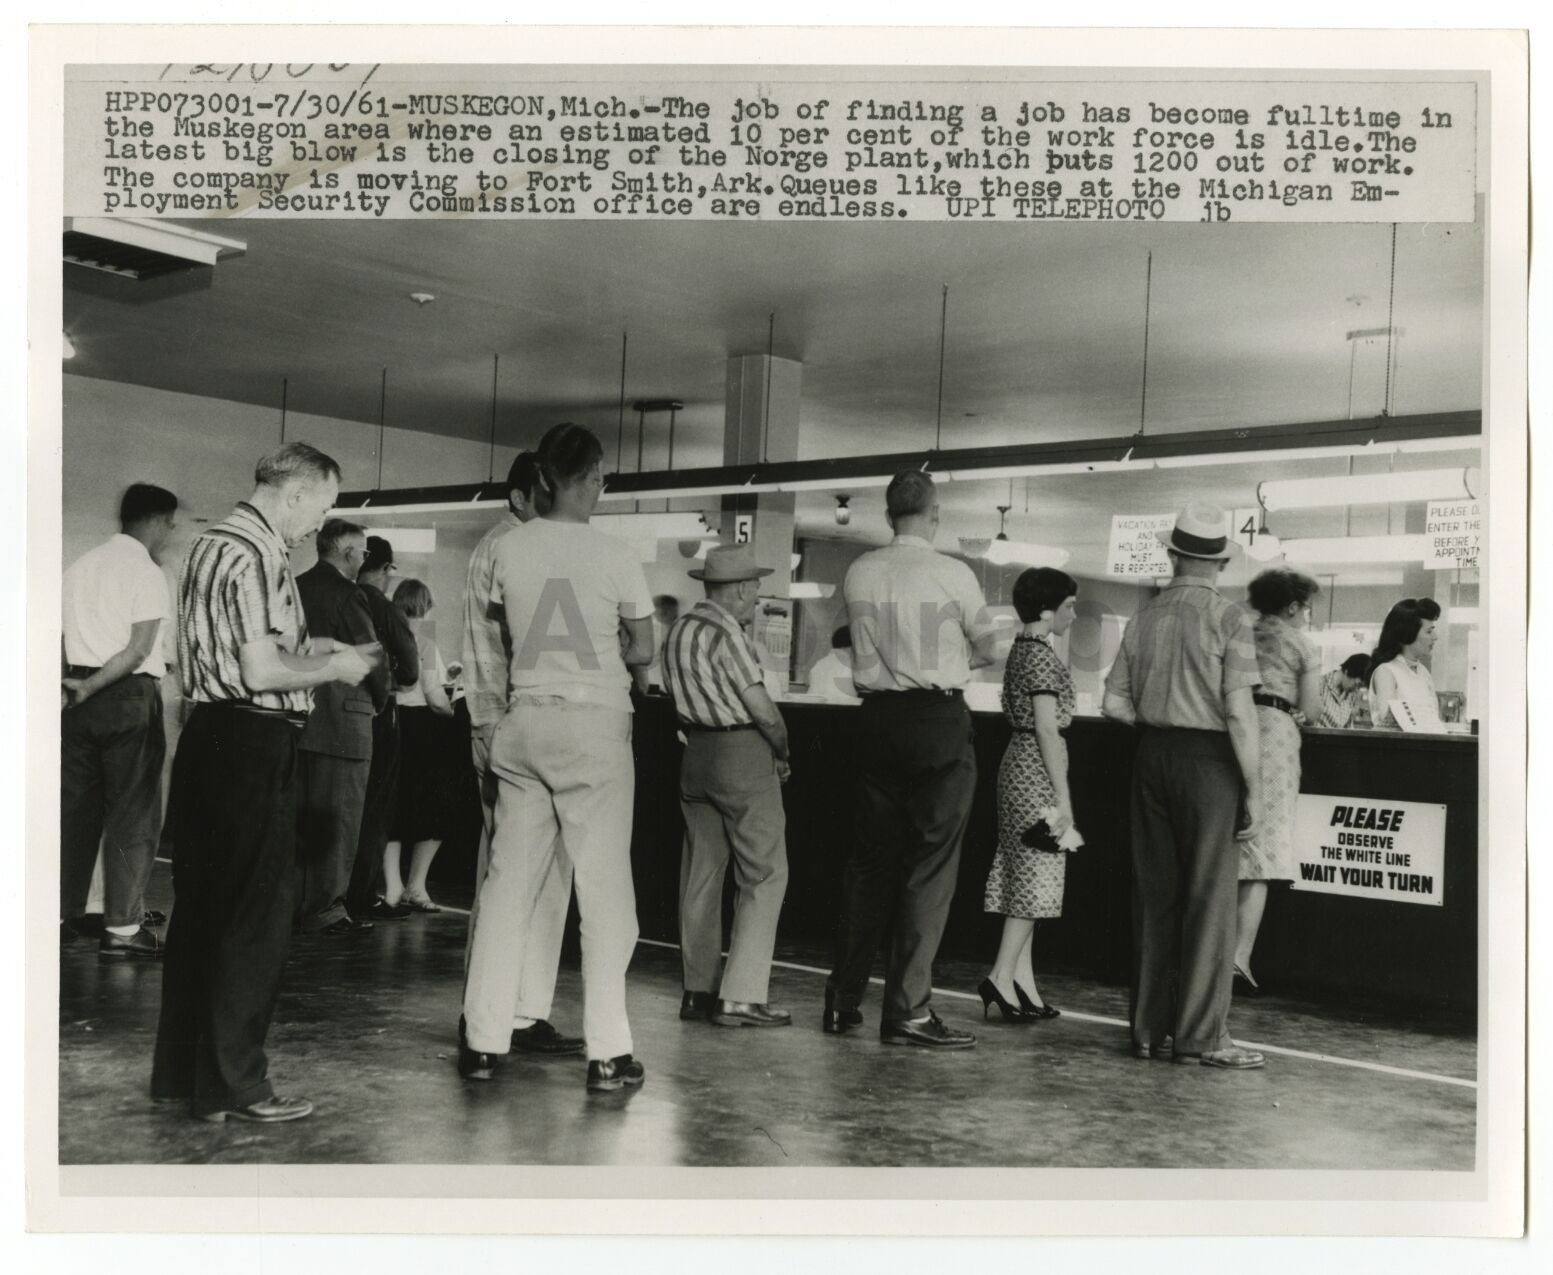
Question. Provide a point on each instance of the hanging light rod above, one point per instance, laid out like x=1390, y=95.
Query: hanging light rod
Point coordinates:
x=1275, y=443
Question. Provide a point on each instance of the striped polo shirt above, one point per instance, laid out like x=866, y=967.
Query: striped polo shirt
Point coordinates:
x=236, y=587
x=708, y=660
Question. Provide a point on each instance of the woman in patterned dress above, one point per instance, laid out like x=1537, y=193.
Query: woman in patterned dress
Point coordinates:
x=1025, y=883
x=1289, y=695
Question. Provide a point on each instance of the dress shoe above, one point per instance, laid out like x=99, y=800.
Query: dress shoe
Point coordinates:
x=345, y=925
x=142, y=944
x=932, y=1034
x=749, y=1014
x=383, y=910
x=153, y=918
x=1031, y=1009
x=990, y=996
x=1162, y=1050
x=1245, y=985
x=837, y=1022
x=694, y=1005
x=1232, y=1059
x=616, y=1073
x=474, y=1064
x=267, y=1111
x=542, y=1038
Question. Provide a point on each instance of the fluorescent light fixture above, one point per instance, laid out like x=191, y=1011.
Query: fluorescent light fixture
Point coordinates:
x=1363, y=550
x=427, y=507
x=672, y=493
x=158, y=236
x=1463, y=615
x=1462, y=442
x=1270, y=456
x=835, y=484
x=1370, y=489
x=651, y=526
x=1043, y=471
x=1001, y=552
x=413, y=541
x=1359, y=579
x=808, y=590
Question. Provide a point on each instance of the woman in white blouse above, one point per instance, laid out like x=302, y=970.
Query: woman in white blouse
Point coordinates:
x=1397, y=673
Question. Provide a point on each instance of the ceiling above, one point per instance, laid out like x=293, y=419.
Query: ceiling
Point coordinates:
x=1044, y=335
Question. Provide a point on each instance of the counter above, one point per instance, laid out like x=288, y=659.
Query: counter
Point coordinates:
x=1337, y=948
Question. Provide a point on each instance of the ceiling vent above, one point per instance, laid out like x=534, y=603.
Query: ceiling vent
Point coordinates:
x=128, y=248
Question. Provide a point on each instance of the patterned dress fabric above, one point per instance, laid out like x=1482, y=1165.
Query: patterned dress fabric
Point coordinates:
x=1284, y=655
x=1025, y=882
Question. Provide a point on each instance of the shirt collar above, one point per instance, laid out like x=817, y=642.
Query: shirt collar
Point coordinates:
x=1191, y=582
x=128, y=539
x=916, y=542
x=253, y=512
x=716, y=611
x=510, y=519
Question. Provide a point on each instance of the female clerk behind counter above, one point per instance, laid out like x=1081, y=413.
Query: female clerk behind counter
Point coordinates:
x=1396, y=671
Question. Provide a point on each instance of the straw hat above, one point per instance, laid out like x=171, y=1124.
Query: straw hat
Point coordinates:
x=728, y=564
x=1201, y=531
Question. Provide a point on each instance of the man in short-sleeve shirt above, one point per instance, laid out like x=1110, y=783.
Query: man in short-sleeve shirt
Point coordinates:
x=730, y=790
x=112, y=740
x=1185, y=673
x=248, y=670
x=919, y=627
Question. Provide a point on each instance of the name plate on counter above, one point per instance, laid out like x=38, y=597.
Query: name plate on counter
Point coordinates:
x=1392, y=850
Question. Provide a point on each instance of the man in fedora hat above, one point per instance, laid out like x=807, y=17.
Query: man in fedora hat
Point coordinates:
x=730, y=790
x=1185, y=673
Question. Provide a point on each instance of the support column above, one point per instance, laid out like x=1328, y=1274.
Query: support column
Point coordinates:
x=762, y=425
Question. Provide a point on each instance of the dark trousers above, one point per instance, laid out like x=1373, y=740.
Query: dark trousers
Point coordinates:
x=377, y=812
x=110, y=787
x=918, y=775
x=332, y=797
x=234, y=868
x=1185, y=798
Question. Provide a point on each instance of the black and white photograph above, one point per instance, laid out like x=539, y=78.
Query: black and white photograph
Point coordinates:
x=620, y=622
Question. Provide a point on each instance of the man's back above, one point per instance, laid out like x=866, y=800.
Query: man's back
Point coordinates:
x=914, y=613
x=487, y=646
x=1182, y=654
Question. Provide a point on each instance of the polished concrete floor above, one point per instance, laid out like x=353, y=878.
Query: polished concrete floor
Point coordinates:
x=366, y=1027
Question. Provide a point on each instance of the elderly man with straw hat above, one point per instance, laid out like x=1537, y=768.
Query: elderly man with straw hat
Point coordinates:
x=730, y=788
x=1185, y=674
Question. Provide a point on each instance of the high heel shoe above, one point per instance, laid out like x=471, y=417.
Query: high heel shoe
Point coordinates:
x=1031, y=1009
x=990, y=996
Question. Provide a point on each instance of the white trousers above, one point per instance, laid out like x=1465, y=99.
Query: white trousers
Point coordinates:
x=566, y=782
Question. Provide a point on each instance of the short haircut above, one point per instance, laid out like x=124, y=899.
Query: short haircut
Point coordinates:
x=841, y=639
x=142, y=501
x=380, y=554
x=1357, y=666
x=413, y=598
x=523, y=475
x=566, y=453
x=334, y=531
x=1281, y=587
x=910, y=492
x=295, y=462
x=1041, y=589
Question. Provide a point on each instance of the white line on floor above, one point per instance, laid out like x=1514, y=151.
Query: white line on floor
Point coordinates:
x=1121, y=1022
x=1107, y=1021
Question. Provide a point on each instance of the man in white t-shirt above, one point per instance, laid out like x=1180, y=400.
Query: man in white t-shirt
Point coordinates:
x=112, y=741
x=561, y=755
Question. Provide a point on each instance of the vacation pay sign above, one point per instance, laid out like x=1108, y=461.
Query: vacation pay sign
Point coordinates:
x=1370, y=849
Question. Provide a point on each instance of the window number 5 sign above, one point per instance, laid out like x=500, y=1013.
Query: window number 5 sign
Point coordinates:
x=744, y=529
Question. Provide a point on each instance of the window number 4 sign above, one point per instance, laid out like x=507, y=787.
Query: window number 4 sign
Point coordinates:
x=1246, y=526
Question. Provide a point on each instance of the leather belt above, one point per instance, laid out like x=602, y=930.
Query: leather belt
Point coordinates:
x=1268, y=700
x=914, y=693
x=82, y=670
x=286, y=715
x=697, y=728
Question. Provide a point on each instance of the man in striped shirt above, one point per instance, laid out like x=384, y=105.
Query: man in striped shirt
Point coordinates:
x=248, y=670
x=730, y=790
